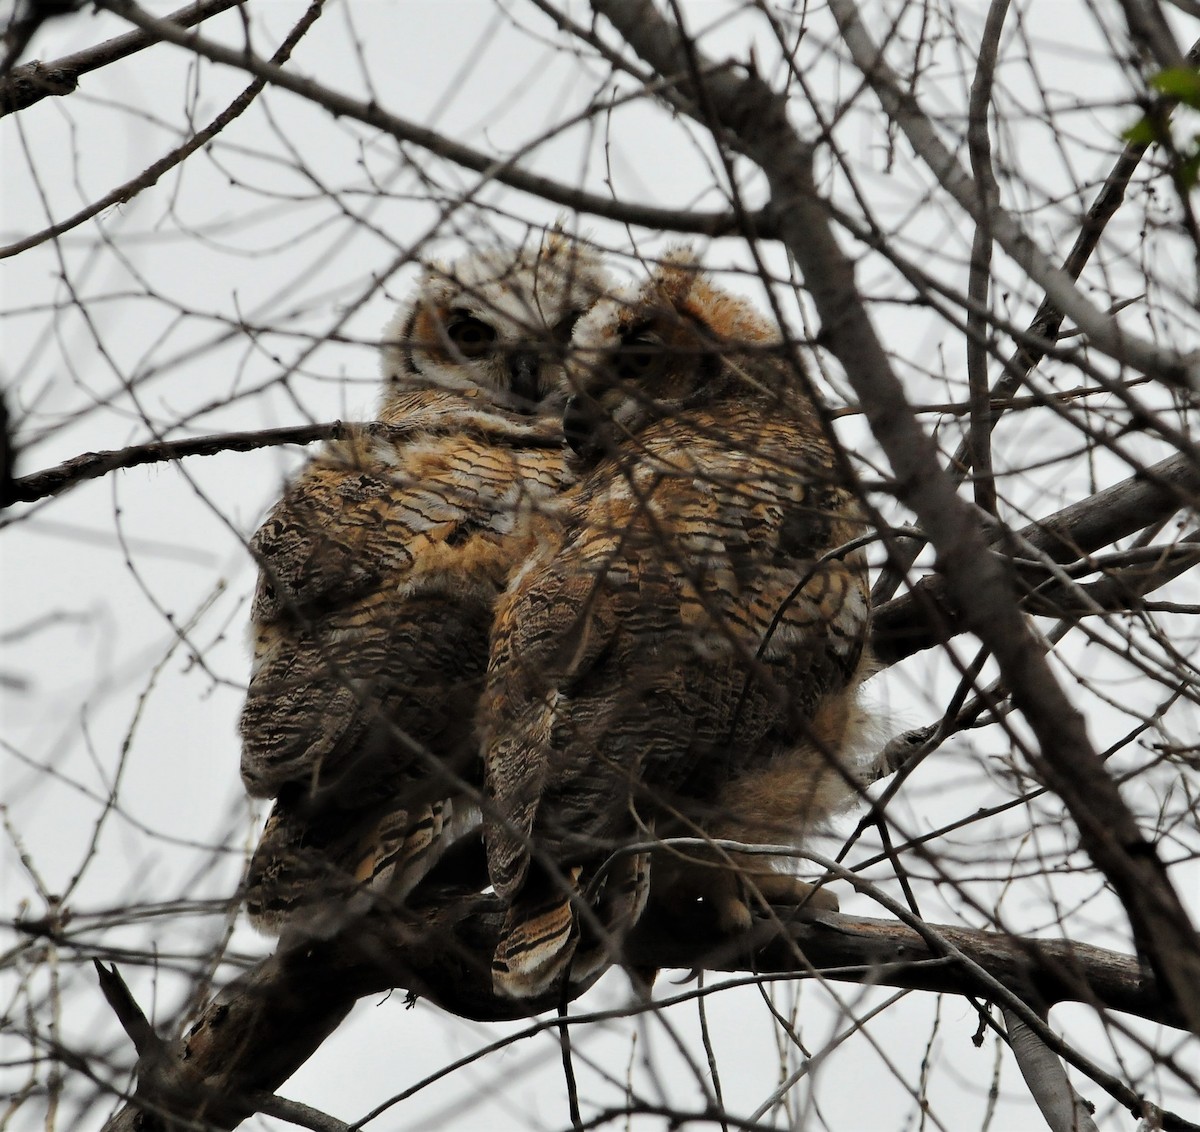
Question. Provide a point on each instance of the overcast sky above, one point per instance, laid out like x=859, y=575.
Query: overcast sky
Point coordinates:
x=247, y=290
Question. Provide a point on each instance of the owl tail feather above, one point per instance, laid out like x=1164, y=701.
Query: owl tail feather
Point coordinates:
x=544, y=942
x=295, y=875
x=405, y=846
x=537, y=942
x=314, y=873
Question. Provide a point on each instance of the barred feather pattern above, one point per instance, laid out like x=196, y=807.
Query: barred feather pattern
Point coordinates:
x=684, y=659
x=379, y=570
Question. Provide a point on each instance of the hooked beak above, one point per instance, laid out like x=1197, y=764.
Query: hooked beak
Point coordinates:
x=580, y=425
x=525, y=370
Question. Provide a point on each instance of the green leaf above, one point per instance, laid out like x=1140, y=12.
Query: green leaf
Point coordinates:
x=1188, y=172
x=1142, y=132
x=1182, y=83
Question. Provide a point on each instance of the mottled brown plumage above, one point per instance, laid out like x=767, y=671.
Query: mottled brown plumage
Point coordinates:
x=379, y=570
x=684, y=659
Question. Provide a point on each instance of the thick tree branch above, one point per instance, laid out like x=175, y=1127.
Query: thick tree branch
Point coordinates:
x=264, y=1025
x=925, y=616
x=1122, y=586
x=754, y=118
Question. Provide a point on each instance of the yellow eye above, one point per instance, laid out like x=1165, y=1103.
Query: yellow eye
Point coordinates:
x=471, y=337
x=639, y=358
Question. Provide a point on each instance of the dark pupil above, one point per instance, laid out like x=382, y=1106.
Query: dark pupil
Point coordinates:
x=472, y=337
x=638, y=360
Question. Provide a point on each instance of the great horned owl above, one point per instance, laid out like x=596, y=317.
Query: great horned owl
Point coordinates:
x=379, y=571
x=684, y=660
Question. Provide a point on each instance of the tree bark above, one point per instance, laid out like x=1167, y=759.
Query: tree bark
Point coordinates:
x=261, y=1028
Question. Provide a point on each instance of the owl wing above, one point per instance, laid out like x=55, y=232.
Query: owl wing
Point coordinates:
x=378, y=573
x=691, y=632
x=557, y=793
x=331, y=555
x=549, y=632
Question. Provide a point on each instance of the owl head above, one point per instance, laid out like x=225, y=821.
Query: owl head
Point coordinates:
x=675, y=343
x=494, y=324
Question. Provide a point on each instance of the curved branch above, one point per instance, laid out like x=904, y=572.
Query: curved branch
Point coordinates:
x=92, y=465
x=265, y=1024
x=498, y=169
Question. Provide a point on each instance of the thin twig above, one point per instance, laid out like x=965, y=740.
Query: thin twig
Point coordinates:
x=93, y=465
x=27, y=85
x=124, y=193
x=979, y=434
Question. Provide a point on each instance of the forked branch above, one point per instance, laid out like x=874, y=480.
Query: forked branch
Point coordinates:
x=265, y=1024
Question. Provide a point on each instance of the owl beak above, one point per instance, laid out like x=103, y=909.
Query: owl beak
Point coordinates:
x=525, y=371
x=580, y=424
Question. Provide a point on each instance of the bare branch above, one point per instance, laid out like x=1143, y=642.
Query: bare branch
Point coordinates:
x=1148, y=28
x=27, y=85
x=122, y=194
x=93, y=465
x=757, y=119
x=924, y=617
x=1064, y=1109
x=1120, y=588
x=1044, y=327
x=147, y=1043
x=1099, y=326
x=264, y=1025
x=8, y=485
x=979, y=437
x=497, y=169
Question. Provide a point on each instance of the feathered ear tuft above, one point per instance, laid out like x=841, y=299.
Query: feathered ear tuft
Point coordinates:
x=677, y=275
x=571, y=259
x=686, y=285
x=556, y=240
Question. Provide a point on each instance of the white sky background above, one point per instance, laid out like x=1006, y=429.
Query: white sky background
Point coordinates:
x=208, y=304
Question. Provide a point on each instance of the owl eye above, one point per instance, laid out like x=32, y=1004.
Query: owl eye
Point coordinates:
x=471, y=337
x=640, y=357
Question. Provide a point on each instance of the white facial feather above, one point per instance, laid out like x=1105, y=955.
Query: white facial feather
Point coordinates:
x=525, y=303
